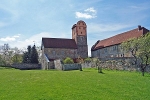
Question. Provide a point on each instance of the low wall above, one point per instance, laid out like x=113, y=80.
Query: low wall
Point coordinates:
x=74, y=66
x=26, y=66
x=121, y=64
x=59, y=66
x=88, y=64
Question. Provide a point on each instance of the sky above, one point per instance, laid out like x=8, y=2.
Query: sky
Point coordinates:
x=25, y=22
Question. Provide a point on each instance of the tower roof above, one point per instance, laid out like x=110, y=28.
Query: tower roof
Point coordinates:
x=79, y=23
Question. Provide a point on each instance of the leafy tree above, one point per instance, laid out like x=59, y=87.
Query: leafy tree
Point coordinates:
x=2, y=61
x=140, y=50
x=132, y=46
x=98, y=65
x=17, y=58
x=68, y=61
x=144, y=52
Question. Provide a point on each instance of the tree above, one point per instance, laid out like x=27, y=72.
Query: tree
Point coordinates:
x=17, y=58
x=2, y=61
x=80, y=61
x=34, y=55
x=132, y=46
x=144, y=52
x=31, y=56
x=98, y=65
x=25, y=57
x=140, y=50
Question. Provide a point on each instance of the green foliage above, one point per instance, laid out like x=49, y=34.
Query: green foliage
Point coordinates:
x=34, y=55
x=2, y=61
x=87, y=60
x=73, y=85
x=68, y=61
x=26, y=58
x=31, y=56
x=144, y=50
x=17, y=58
x=140, y=50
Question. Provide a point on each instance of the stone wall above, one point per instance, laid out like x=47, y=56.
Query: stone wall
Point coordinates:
x=111, y=51
x=25, y=66
x=59, y=66
x=60, y=53
x=83, y=51
x=126, y=63
x=71, y=66
x=88, y=65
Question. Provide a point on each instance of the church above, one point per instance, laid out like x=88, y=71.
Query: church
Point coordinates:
x=60, y=48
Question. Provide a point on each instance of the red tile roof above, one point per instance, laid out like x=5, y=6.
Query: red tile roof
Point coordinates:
x=117, y=39
x=59, y=43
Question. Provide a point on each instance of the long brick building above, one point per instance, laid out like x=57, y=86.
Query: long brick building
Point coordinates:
x=60, y=48
x=110, y=47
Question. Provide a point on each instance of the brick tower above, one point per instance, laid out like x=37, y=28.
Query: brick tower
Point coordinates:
x=79, y=34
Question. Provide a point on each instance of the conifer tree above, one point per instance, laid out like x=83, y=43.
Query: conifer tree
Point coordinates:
x=34, y=55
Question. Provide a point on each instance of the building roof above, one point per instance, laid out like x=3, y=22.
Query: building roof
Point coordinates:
x=59, y=43
x=117, y=39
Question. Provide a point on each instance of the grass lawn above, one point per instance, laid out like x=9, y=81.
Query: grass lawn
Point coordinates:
x=73, y=85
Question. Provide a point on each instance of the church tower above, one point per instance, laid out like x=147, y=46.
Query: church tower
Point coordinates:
x=79, y=34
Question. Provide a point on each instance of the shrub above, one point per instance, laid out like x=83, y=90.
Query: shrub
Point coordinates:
x=87, y=60
x=68, y=61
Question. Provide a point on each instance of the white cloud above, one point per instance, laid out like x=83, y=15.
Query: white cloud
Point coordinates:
x=84, y=15
x=10, y=39
x=7, y=39
x=87, y=14
x=91, y=9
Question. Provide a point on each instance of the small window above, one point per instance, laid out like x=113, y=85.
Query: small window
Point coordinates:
x=81, y=32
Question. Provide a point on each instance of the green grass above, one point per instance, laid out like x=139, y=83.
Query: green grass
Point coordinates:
x=73, y=85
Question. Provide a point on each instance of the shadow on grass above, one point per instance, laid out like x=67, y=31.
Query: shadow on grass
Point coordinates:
x=101, y=73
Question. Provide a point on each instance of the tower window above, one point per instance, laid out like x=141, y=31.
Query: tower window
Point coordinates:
x=81, y=32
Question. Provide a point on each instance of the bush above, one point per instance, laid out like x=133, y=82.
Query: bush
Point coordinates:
x=68, y=61
x=87, y=60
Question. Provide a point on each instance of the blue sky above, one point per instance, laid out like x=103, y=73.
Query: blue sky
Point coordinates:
x=25, y=21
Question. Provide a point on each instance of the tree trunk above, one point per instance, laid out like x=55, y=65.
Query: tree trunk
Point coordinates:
x=99, y=69
x=142, y=73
